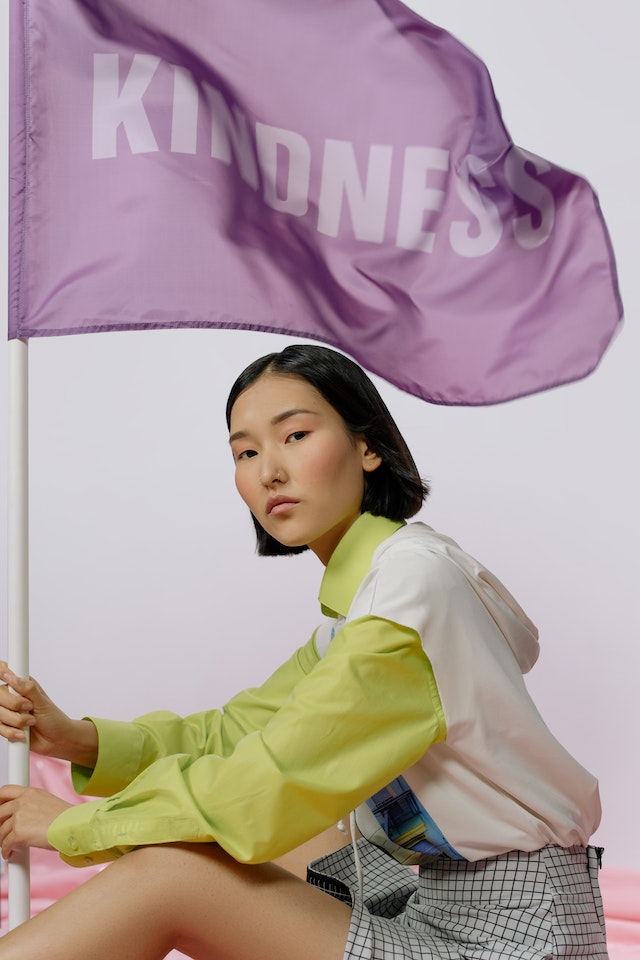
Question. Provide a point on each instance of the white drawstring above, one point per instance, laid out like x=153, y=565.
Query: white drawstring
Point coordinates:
x=356, y=854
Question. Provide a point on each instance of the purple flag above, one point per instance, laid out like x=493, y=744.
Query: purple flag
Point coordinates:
x=334, y=170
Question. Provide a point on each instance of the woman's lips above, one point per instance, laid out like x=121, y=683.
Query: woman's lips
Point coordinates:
x=276, y=505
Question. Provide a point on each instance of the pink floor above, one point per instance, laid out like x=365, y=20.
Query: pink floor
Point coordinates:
x=51, y=878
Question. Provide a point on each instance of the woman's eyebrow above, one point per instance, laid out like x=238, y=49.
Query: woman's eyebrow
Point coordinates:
x=279, y=418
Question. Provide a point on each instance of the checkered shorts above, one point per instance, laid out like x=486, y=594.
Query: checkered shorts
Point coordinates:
x=525, y=906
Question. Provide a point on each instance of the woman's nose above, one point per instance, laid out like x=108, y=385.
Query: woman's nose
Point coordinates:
x=270, y=473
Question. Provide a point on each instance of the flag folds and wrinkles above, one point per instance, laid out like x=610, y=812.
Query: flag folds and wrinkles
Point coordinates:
x=334, y=170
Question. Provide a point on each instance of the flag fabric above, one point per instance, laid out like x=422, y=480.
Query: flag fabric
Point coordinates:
x=336, y=170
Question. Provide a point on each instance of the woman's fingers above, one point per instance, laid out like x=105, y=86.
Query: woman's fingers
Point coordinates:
x=16, y=693
x=15, y=708
x=24, y=687
x=15, y=730
x=8, y=797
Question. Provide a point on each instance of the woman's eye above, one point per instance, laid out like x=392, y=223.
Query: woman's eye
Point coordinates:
x=246, y=455
x=297, y=435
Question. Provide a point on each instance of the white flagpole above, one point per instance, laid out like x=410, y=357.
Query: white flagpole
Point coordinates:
x=18, y=593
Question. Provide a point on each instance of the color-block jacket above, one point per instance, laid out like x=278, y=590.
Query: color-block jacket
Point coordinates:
x=408, y=704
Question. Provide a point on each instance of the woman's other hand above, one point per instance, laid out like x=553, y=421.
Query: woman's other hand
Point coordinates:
x=26, y=814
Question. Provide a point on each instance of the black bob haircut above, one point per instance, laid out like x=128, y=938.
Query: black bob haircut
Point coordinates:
x=395, y=489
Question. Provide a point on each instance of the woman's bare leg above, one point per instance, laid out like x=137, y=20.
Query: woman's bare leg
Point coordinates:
x=194, y=898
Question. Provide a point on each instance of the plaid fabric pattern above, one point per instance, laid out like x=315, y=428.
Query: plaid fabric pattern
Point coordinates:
x=524, y=906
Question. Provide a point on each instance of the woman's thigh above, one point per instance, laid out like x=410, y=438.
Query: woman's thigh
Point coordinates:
x=192, y=897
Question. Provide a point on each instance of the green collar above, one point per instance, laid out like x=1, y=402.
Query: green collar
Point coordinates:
x=351, y=560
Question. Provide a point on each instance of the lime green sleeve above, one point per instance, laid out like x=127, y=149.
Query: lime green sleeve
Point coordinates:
x=365, y=712
x=126, y=749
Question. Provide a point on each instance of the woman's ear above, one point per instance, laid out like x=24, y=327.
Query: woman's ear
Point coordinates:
x=370, y=459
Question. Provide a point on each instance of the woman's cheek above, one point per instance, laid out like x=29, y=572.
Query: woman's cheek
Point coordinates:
x=242, y=484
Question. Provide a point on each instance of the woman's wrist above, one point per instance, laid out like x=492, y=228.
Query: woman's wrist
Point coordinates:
x=81, y=744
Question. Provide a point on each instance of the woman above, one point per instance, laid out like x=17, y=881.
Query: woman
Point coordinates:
x=406, y=706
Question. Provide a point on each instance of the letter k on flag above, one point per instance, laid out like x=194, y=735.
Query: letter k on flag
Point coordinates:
x=334, y=170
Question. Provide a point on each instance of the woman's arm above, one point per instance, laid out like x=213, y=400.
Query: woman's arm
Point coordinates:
x=366, y=712
x=107, y=755
x=127, y=749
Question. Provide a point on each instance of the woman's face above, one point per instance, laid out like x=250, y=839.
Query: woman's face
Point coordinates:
x=298, y=469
